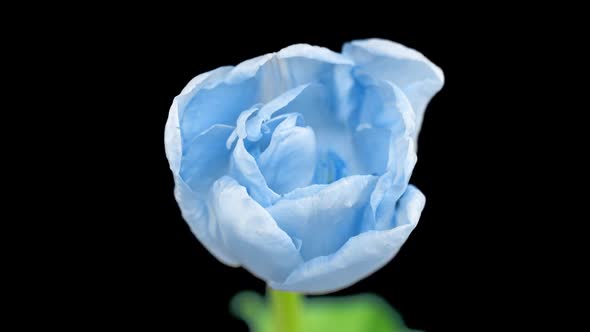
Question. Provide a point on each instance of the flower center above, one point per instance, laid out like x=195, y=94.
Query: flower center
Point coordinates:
x=330, y=167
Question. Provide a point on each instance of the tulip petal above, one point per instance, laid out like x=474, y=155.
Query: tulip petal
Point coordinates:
x=292, y=150
x=358, y=257
x=205, y=158
x=384, y=119
x=244, y=169
x=417, y=76
x=250, y=233
x=391, y=185
x=327, y=218
x=304, y=192
x=309, y=52
x=221, y=104
x=254, y=124
x=240, y=130
x=372, y=149
x=203, y=226
x=172, y=134
x=386, y=106
x=268, y=129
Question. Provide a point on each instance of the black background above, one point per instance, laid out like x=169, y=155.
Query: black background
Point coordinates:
x=456, y=272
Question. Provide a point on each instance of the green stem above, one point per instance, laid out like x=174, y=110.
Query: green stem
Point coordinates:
x=286, y=310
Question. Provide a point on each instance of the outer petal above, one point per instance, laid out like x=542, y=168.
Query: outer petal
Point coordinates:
x=327, y=216
x=390, y=187
x=360, y=256
x=419, y=78
x=205, y=158
x=250, y=233
x=194, y=210
x=220, y=101
x=193, y=203
x=386, y=121
x=301, y=64
x=386, y=106
x=172, y=135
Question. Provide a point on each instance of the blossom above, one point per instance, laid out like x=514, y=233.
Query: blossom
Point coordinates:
x=295, y=165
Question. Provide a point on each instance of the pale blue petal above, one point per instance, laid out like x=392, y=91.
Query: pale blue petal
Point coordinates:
x=360, y=256
x=220, y=104
x=254, y=124
x=250, y=233
x=251, y=122
x=394, y=182
x=385, y=105
x=172, y=134
x=346, y=93
x=304, y=192
x=318, y=53
x=326, y=219
x=244, y=169
x=384, y=118
x=391, y=185
x=268, y=129
x=300, y=64
x=204, y=226
x=289, y=160
x=240, y=130
x=206, y=158
x=418, y=77
x=372, y=146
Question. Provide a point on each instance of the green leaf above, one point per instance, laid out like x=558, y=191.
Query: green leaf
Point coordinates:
x=358, y=313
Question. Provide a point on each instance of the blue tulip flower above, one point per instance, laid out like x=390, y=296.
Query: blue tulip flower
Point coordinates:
x=295, y=165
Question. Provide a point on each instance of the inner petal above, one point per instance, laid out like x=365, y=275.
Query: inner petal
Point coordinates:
x=336, y=156
x=289, y=160
x=324, y=217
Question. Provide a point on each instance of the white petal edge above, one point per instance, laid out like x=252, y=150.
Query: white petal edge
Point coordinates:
x=388, y=48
